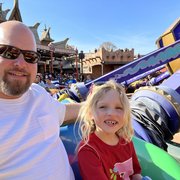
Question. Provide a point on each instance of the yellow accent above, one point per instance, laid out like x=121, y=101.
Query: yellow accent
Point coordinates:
x=62, y=97
x=168, y=38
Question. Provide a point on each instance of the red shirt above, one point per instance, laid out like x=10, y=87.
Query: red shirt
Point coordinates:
x=98, y=160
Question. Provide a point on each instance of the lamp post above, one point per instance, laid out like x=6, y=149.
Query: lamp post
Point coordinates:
x=72, y=65
x=44, y=66
x=81, y=57
x=102, y=68
x=76, y=59
x=60, y=66
x=52, y=49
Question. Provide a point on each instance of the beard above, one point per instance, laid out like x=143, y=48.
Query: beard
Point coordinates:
x=14, y=88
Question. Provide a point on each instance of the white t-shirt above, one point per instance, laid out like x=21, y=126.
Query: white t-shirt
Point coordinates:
x=30, y=147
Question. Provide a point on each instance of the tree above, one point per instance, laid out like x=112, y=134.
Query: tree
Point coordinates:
x=108, y=46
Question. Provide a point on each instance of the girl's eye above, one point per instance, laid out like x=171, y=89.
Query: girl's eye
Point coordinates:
x=102, y=107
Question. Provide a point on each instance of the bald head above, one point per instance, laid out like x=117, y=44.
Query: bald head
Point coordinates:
x=17, y=34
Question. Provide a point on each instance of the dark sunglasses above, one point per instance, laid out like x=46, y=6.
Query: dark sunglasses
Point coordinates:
x=11, y=52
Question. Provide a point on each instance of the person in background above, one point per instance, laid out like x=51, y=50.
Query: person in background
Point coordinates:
x=39, y=81
x=88, y=79
x=71, y=80
x=49, y=84
x=106, y=150
x=29, y=116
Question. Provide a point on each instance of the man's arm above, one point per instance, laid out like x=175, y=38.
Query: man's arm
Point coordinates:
x=72, y=110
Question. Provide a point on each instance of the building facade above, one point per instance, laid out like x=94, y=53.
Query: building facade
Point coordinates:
x=102, y=61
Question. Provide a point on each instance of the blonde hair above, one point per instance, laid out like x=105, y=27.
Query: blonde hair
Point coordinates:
x=86, y=124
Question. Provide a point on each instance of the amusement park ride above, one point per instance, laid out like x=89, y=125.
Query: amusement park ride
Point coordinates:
x=155, y=109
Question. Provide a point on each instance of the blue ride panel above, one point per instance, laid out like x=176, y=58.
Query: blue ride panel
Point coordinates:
x=71, y=139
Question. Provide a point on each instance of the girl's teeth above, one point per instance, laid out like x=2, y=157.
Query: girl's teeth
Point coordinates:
x=111, y=122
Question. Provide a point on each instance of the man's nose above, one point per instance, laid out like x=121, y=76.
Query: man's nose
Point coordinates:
x=19, y=61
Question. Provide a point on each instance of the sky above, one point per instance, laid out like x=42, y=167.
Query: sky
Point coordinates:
x=89, y=23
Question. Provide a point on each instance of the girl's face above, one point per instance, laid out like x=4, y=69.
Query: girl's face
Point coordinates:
x=108, y=115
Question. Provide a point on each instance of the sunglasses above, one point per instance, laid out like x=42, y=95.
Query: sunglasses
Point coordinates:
x=11, y=52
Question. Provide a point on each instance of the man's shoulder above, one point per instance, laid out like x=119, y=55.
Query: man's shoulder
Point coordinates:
x=37, y=89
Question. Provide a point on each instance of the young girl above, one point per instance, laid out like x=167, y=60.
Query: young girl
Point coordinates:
x=106, y=151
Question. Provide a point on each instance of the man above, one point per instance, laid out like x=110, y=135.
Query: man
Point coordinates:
x=39, y=81
x=48, y=83
x=70, y=81
x=30, y=147
x=88, y=79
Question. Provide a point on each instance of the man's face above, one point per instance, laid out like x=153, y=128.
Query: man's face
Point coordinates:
x=16, y=75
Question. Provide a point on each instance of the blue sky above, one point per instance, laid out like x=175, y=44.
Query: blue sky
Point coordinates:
x=88, y=23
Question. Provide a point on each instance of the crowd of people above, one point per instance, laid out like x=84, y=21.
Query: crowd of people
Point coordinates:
x=58, y=81
x=149, y=80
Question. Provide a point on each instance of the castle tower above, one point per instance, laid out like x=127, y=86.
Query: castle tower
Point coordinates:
x=15, y=14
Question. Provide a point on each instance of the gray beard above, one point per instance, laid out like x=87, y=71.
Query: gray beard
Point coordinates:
x=15, y=88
